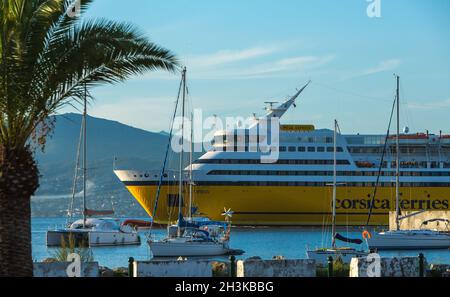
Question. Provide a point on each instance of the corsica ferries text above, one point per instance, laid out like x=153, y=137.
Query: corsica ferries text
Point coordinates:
x=387, y=204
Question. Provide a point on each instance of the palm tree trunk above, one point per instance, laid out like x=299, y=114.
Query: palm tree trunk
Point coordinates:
x=19, y=179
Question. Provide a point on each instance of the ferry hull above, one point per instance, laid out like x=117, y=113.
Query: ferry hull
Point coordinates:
x=289, y=205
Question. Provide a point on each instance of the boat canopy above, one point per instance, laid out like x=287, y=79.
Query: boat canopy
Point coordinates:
x=349, y=240
x=96, y=224
x=197, y=224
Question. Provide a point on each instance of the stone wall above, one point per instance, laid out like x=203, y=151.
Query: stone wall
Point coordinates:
x=389, y=267
x=173, y=268
x=415, y=222
x=276, y=268
x=59, y=269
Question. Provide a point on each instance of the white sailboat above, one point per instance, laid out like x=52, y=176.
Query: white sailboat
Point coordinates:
x=321, y=255
x=193, y=237
x=204, y=240
x=88, y=230
x=406, y=239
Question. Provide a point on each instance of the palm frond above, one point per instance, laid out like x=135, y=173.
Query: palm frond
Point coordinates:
x=48, y=58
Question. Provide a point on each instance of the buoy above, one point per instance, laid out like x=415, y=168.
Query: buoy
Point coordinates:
x=366, y=234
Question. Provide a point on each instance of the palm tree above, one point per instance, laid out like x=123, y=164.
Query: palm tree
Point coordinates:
x=49, y=55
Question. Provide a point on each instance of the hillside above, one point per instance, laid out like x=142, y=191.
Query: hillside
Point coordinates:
x=133, y=149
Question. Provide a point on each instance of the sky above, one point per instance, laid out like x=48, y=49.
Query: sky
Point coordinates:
x=240, y=54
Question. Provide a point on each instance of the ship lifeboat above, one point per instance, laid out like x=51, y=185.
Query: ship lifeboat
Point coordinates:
x=364, y=164
x=412, y=136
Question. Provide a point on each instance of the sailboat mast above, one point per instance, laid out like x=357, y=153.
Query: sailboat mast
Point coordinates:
x=180, y=190
x=190, y=166
x=397, y=167
x=84, y=155
x=75, y=176
x=333, y=226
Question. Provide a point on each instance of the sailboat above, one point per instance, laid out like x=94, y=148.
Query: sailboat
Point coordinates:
x=192, y=237
x=405, y=239
x=90, y=231
x=321, y=255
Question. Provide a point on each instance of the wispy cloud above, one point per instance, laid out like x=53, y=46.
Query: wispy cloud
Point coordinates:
x=383, y=66
x=231, y=56
x=288, y=65
x=430, y=105
x=254, y=62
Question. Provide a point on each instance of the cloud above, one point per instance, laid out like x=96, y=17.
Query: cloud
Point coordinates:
x=205, y=65
x=383, y=66
x=229, y=56
x=254, y=62
x=430, y=105
x=287, y=65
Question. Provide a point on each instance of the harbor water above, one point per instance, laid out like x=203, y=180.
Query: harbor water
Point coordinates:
x=264, y=242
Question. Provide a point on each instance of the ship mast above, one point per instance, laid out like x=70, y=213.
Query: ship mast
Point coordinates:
x=333, y=226
x=397, y=162
x=180, y=189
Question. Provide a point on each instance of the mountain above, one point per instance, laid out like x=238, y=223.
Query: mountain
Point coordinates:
x=107, y=140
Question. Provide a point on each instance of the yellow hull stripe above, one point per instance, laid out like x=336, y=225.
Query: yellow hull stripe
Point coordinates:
x=278, y=205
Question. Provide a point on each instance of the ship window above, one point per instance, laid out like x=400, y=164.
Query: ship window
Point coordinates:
x=320, y=149
x=330, y=149
x=339, y=149
x=311, y=149
x=302, y=149
x=282, y=148
x=292, y=149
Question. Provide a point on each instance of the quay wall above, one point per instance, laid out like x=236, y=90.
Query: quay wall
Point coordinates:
x=276, y=268
x=388, y=267
x=59, y=269
x=188, y=268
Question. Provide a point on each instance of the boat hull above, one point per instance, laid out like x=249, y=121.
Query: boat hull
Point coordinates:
x=113, y=238
x=408, y=241
x=290, y=205
x=186, y=249
x=59, y=238
x=321, y=256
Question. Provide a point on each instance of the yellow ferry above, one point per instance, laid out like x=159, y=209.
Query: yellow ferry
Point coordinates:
x=295, y=188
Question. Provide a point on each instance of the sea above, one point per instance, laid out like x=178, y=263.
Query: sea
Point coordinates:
x=264, y=242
